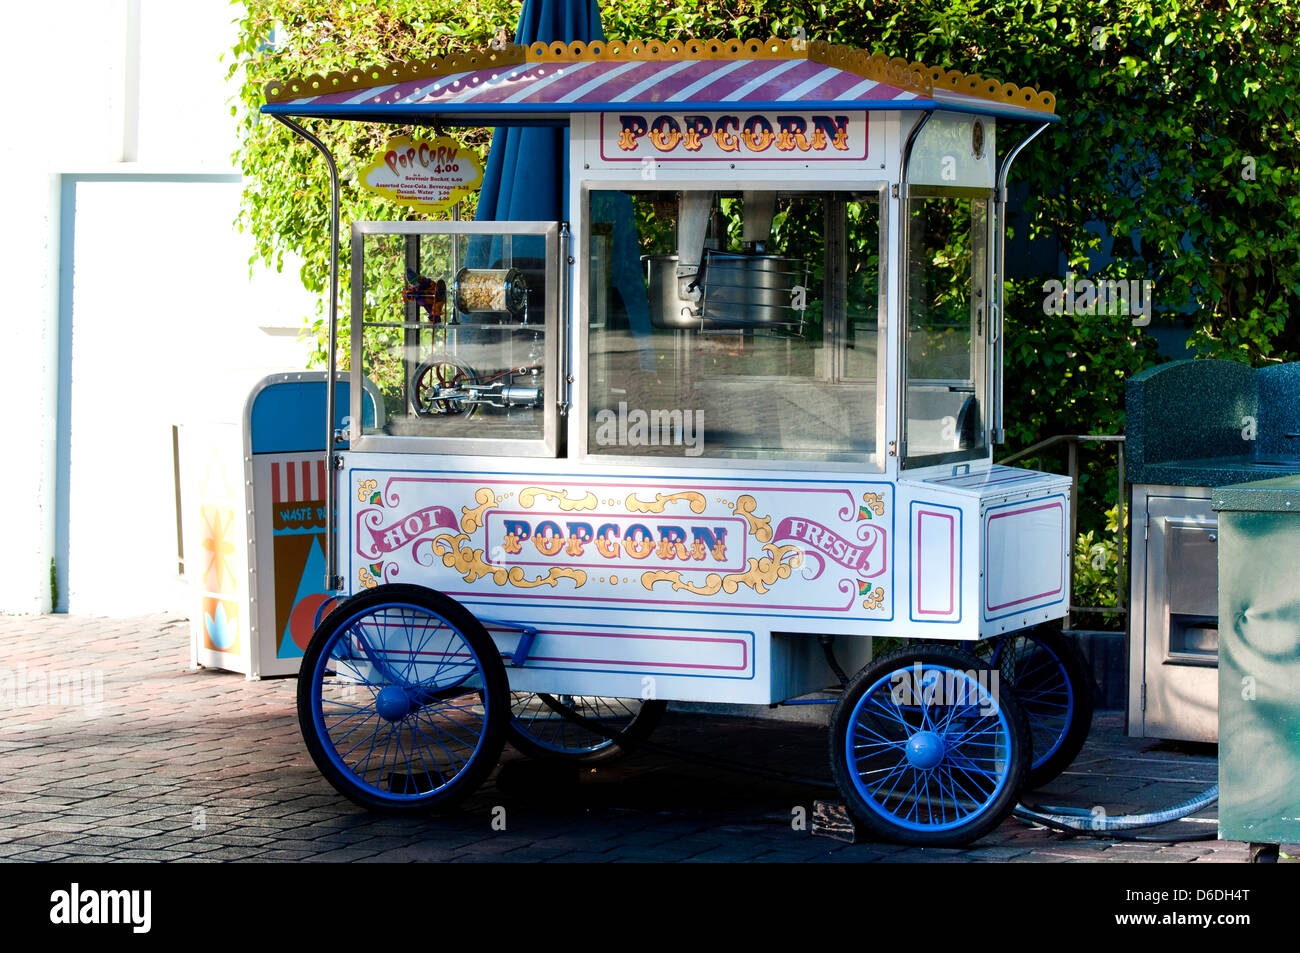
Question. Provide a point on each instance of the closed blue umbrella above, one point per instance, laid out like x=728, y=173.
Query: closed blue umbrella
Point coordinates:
x=523, y=160
x=527, y=173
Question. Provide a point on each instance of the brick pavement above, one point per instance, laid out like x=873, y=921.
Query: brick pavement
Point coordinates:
x=201, y=766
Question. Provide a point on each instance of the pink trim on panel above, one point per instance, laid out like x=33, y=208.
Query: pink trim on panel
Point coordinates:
x=1029, y=509
x=744, y=650
x=952, y=555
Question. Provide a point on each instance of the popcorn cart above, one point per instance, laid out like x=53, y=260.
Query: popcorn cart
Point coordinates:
x=701, y=441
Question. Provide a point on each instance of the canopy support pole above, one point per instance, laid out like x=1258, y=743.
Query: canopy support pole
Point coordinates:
x=904, y=221
x=333, y=582
x=999, y=282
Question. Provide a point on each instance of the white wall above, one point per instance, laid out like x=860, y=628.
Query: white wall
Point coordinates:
x=121, y=244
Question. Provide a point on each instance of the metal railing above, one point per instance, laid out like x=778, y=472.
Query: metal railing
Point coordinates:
x=1072, y=442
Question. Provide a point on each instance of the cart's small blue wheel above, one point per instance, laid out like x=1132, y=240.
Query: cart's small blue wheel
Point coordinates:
x=403, y=699
x=1052, y=683
x=539, y=726
x=927, y=749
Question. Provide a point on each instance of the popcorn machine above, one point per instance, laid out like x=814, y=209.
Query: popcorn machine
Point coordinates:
x=700, y=441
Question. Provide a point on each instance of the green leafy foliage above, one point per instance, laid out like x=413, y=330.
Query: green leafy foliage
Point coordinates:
x=286, y=193
x=1180, y=133
x=1096, y=568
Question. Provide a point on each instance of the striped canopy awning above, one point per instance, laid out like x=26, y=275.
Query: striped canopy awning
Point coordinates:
x=548, y=82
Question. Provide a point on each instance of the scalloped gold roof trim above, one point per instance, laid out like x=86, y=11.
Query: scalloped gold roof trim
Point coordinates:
x=914, y=77
x=896, y=71
x=974, y=85
x=278, y=91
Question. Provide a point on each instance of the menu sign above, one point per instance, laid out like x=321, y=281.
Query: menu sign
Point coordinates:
x=426, y=174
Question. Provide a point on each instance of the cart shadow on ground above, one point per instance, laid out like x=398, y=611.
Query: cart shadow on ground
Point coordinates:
x=651, y=805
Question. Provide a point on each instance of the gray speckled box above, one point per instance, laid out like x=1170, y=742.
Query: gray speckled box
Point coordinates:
x=1212, y=423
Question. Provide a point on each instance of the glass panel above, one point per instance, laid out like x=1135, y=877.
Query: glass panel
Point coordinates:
x=733, y=324
x=946, y=301
x=453, y=333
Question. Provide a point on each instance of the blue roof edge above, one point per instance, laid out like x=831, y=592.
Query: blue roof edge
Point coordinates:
x=496, y=114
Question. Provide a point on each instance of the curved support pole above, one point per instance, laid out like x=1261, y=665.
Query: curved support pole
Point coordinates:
x=904, y=221
x=998, y=434
x=333, y=582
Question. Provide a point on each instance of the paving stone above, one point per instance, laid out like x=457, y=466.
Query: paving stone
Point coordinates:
x=124, y=783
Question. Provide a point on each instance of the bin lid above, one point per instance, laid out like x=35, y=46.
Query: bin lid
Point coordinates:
x=1279, y=495
x=545, y=83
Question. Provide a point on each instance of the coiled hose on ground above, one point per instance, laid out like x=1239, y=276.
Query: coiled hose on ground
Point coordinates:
x=1078, y=821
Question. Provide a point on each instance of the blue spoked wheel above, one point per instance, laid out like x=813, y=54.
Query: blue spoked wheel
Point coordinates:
x=540, y=727
x=403, y=699
x=927, y=749
x=1051, y=681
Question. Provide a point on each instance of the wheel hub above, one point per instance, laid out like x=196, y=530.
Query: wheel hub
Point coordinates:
x=393, y=703
x=925, y=749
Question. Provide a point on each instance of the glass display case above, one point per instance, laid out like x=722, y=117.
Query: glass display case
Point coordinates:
x=456, y=325
x=750, y=331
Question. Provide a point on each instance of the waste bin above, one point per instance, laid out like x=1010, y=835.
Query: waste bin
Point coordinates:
x=1259, y=660
x=259, y=503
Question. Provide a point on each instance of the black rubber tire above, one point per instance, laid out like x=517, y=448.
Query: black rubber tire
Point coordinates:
x=638, y=728
x=495, y=694
x=1048, y=640
x=880, y=827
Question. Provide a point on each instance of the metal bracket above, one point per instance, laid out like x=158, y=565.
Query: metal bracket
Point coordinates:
x=525, y=644
x=523, y=647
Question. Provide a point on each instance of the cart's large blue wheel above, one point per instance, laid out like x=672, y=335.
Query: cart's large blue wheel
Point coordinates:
x=540, y=729
x=403, y=699
x=927, y=749
x=1052, y=683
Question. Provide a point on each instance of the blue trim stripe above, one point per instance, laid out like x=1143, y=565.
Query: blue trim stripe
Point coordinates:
x=491, y=114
